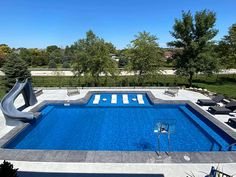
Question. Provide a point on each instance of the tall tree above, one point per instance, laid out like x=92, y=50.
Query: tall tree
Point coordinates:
x=194, y=35
x=144, y=54
x=227, y=49
x=92, y=57
x=14, y=67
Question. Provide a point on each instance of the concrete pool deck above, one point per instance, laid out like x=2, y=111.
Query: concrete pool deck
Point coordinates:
x=168, y=167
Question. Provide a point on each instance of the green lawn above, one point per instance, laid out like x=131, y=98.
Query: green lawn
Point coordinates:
x=2, y=92
x=228, y=89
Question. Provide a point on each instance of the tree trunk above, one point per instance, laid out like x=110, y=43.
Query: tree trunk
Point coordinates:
x=190, y=79
x=140, y=78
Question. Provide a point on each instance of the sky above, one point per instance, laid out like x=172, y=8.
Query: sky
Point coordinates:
x=40, y=23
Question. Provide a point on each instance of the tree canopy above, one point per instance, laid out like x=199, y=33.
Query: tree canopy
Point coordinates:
x=93, y=56
x=194, y=35
x=144, y=54
x=227, y=49
x=4, y=52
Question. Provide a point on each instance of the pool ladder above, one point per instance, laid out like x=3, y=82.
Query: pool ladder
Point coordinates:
x=162, y=129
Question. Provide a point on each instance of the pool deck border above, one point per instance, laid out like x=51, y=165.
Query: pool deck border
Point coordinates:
x=117, y=156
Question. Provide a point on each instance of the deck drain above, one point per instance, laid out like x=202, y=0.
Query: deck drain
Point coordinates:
x=186, y=157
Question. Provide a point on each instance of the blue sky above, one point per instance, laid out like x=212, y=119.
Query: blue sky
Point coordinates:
x=39, y=23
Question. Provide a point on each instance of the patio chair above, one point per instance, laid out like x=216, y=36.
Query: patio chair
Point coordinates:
x=230, y=107
x=210, y=102
x=232, y=122
x=172, y=91
x=72, y=91
x=38, y=92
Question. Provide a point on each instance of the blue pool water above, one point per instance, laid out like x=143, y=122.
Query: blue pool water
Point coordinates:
x=118, y=127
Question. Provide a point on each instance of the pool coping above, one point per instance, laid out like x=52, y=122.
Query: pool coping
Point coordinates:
x=117, y=156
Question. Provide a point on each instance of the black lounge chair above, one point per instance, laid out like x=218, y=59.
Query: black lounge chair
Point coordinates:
x=232, y=122
x=230, y=107
x=212, y=102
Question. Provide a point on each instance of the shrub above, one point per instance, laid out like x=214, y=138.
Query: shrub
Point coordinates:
x=65, y=65
x=52, y=64
x=7, y=170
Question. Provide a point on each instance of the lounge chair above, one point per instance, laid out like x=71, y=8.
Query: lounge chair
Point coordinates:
x=96, y=99
x=72, y=91
x=140, y=99
x=113, y=99
x=125, y=99
x=172, y=91
x=228, y=108
x=232, y=122
x=210, y=102
x=38, y=92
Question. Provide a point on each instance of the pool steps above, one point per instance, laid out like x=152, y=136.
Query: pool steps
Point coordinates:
x=213, y=136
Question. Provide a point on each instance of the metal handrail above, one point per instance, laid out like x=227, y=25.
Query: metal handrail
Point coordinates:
x=229, y=147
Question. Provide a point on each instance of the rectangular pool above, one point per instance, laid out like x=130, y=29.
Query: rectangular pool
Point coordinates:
x=119, y=127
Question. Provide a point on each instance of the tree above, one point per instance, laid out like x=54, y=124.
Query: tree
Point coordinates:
x=52, y=64
x=92, y=57
x=227, y=49
x=7, y=170
x=34, y=56
x=4, y=52
x=14, y=67
x=194, y=35
x=55, y=53
x=144, y=54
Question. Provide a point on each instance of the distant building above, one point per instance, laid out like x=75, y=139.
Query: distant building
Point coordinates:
x=114, y=57
x=168, y=55
x=169, y=52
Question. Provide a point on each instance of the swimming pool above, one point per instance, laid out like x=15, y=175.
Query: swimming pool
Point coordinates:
x=119, y=126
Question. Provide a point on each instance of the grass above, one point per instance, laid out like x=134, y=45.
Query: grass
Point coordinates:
x=2, y=93
x=225, y=89
x=223, y=84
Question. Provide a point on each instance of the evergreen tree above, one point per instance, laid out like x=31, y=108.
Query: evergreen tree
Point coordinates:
x=7, y=170
x=14, y=68
x=52, y=64
x=194, y=36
